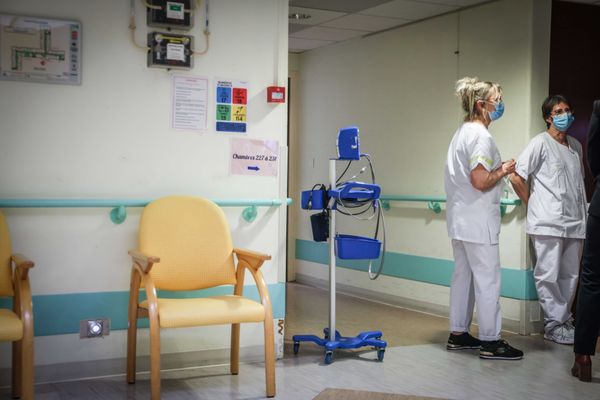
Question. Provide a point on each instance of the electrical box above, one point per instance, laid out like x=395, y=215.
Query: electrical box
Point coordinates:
x=168, y=50
x=275, y=94
x=175, y=14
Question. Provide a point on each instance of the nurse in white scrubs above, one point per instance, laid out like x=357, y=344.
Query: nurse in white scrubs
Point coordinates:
x=556, y=214
x=473, y=182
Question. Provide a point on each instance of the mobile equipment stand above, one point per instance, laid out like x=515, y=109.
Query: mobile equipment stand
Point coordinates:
x=344, y=246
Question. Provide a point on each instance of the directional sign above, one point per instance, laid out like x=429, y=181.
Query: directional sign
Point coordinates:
x=254, y=157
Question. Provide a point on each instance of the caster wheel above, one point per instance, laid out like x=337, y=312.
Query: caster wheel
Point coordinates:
x=328, y=357
x=296, y=347
x=380, y=354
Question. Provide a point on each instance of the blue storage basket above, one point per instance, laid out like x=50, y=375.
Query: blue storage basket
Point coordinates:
x=350, y=247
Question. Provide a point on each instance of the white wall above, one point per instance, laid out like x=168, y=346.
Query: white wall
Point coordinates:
x=398, y=88
x=110, y=138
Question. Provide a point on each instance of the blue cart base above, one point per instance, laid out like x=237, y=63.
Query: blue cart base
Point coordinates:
x=371, y=338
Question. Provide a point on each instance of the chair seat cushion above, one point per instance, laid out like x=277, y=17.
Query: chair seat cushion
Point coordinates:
x=179, y=313
x=11, y=327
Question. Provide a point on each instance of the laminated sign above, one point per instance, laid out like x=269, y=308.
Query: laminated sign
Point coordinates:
x=231, y=106
x=189, y=102
x=254, y=157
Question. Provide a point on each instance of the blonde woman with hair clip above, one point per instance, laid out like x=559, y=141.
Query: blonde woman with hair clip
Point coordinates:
x=473, y=183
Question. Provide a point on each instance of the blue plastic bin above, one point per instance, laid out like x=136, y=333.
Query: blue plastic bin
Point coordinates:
x=350, y=247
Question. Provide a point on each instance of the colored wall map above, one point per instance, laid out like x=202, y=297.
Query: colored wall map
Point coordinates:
x=40, y=49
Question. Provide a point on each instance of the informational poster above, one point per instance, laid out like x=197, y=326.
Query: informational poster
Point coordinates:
x=189, y=103
x=231, y=106
x=40, y=49
x=254, y=157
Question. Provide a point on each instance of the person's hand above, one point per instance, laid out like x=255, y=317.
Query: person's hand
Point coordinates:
x=508, y=167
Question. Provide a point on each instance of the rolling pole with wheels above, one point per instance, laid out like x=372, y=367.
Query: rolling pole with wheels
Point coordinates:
x=343, y=246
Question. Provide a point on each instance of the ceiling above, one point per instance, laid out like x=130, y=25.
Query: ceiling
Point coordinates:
x=331, y=21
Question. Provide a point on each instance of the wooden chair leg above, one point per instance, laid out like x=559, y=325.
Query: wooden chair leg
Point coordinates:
x=27, y=367
x=17, y=369
x=131, y=350
x=155, y=359
x=269, y=357
x=132, y=316
x=235, y=349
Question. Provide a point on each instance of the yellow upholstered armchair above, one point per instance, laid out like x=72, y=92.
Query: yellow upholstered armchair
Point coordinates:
x=185, y=244
x=17, y=325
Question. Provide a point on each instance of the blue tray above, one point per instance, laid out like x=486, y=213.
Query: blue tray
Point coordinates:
x=350, y=247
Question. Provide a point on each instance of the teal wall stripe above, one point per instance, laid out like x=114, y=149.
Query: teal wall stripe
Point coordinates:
x=59, y=314
x=516, y=283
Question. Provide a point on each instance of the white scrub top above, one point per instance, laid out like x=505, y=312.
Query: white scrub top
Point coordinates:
x=557, y=203
x=472, y=215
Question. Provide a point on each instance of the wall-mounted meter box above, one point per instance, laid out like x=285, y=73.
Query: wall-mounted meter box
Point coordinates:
x=176, y=14
x=168, y=50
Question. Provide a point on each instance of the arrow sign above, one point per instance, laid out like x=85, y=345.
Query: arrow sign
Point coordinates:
x=253, y=157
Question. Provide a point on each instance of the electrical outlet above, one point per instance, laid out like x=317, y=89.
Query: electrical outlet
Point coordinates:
x=94, y=328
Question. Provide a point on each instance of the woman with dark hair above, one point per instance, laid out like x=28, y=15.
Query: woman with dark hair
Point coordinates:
x=556, y=214
x=587, y=322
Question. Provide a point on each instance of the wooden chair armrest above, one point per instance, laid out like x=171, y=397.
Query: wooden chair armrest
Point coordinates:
x=22, y=264
x=144, y=261
x=22, y=305
x=254, y=259
x=263, y=292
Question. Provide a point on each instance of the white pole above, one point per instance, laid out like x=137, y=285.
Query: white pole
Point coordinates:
x=332, y=179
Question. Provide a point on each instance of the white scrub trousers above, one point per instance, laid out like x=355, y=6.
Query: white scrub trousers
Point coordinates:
x=476, y=279
x=556, y=273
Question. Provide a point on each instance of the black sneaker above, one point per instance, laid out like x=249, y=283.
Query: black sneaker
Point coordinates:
x=499, y=350
x=462, y=342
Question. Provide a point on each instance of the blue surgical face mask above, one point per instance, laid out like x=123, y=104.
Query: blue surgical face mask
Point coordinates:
x=494, y=115
x=563, y=121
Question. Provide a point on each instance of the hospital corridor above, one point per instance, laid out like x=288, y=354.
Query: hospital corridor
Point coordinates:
x=299, y=199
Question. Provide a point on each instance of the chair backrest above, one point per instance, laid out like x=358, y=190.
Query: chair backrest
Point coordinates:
x=192, y=238
x=6, y=286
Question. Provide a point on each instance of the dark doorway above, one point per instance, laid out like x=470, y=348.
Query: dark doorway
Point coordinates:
x=575, y=64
